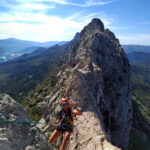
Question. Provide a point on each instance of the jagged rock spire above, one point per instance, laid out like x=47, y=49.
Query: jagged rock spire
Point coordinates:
x=99, y=83
x=95, y=25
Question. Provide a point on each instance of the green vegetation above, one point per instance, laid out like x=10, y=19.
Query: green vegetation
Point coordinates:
x=31, y=101
x=137, y=141
x=140, y=75
x=141, y=89
x=69, y=73
x=31, y=77
x=23, y=74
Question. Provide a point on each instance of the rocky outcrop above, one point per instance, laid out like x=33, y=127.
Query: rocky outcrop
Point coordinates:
x=15, y=136
x=97, y=79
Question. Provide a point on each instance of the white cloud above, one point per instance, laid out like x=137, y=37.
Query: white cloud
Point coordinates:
x=47, y=27
x=20, y=23
x=52, y=28
x=82, y=17
x=88, y=3
x=92, y=3
x=25, y=6
x=142, y=39
x=36, y=6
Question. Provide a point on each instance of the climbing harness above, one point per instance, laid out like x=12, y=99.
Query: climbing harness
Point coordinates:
x=66, y=123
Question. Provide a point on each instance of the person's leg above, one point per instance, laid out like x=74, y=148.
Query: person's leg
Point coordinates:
x=54, y=136
x=65, y=139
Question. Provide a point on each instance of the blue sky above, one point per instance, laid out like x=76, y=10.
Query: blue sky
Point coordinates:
x=57, y=20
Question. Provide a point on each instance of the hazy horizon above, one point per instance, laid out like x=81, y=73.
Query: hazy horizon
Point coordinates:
x=67, y=41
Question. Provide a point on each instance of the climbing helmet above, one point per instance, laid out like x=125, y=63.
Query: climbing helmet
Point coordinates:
x=64, y=101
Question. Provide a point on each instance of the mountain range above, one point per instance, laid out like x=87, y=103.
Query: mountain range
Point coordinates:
x=11, y=48
x=139, y=58
x=136, y=48
x=92, y=70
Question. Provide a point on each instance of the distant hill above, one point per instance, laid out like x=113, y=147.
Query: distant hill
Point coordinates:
x=17, y=54
x=139, y=58
x=50, y=43
x=136, y=48
x=13, y=45
x=11, y=48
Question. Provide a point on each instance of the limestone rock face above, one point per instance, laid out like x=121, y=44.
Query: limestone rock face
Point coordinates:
x=18, y=136
x=97, y=79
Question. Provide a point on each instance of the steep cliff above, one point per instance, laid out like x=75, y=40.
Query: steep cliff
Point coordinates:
x=97, y=79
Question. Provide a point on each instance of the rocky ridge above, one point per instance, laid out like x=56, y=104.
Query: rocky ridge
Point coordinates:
x=97, y=79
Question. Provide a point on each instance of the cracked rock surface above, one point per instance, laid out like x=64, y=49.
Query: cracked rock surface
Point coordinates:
x=15, y=136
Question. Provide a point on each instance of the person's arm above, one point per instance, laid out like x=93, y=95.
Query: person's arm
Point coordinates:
x=56, y=123
x=58, y=120
x=76, y=110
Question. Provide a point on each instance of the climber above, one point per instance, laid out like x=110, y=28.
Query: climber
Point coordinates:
x=64, y=124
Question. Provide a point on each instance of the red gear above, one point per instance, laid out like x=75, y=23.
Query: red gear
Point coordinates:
x=64, y=101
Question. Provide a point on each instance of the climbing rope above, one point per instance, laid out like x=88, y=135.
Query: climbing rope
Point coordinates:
x=22, y=122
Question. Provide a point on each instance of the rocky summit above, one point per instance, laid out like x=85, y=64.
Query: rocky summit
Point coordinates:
x=97, y=79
